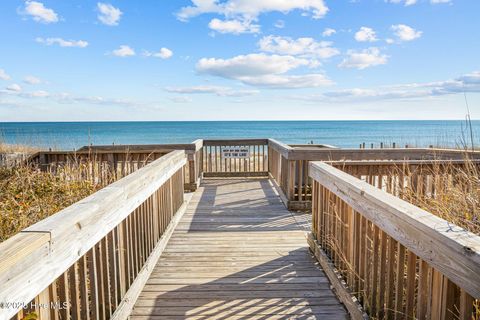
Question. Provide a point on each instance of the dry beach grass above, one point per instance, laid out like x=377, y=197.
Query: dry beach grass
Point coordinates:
x=16, y=148
x=455, y=195
x=28, y=195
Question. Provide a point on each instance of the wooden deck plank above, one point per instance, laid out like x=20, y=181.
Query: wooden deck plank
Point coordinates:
x=334, y=316
x=237, y=253
x=258, y=302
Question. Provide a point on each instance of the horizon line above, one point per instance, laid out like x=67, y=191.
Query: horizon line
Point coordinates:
x=246, y=120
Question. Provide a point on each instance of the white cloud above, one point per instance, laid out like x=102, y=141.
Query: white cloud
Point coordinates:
x=108, y=14
x=255, y=64
x=361, y=95
x=389, y=41
x=198, y=7
x=217, y=90
x=306, y=47
x=412, y=2
x=98, y=100
x=39, y=12
x=4, y=75
x=405, y=2
x=262, y=70
x=234, y=26
x=31, y=80
x=290, y=81
x=470, y=78
x=247, y=11
x=366, y=34
x=252, y=8
x=62, y=43
x=406, y=33
x=328, y=32
x=67, y=98
x=123, y=51
x=164, y=53
x=39, y=94
x=33, y=94
x=364, y=59
x=280, y=24
x=466, y=83
x=365, y=94
x=181, y=99
x=14, y=88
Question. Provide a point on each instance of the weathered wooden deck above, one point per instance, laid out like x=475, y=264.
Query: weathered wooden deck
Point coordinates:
x=238, y=253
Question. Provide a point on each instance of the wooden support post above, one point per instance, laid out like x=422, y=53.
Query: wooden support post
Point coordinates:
x=43, y=307
x=291, y=180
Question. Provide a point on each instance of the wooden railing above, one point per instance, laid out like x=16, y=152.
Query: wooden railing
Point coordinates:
x=423, y=177
x=216, y=163
x=291, y=175
x=12, y=159
x=105, y=164
x=100, y=167
x=397, y=260
x=90, y=260
x=289, y=164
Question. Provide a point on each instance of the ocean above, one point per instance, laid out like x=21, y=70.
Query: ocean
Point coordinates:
x=346, y=134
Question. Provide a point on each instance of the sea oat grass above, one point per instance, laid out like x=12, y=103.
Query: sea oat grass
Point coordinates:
x=17, y=148
x=453, y=194
x=28, y=195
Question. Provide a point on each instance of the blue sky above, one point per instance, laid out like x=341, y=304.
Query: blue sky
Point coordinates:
x=239, y=59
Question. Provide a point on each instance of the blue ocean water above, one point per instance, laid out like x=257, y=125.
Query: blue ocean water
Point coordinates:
x=71, y=135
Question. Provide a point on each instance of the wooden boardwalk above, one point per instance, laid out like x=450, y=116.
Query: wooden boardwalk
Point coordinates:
x=237, y=253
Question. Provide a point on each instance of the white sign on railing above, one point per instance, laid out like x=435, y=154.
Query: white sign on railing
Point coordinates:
x=236, y=153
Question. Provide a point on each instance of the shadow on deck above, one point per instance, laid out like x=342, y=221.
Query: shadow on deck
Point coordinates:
x=237, y=253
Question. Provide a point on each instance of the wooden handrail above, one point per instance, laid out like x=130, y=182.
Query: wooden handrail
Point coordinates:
x=312, y=146
x=194, y=146
x=331, y=153
x=280, y=147
x=15, y=249
x=234, y=142
x=98, y=221
x=347, y=210
x=400, y=162
x=379, y=154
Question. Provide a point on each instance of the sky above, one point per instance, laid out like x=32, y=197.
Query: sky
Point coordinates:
x=83, y=60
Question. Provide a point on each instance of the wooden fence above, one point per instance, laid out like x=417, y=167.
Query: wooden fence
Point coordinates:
x=253, y=162
x=105, y=164
x=90, y=260
x=400, y=262
x=289, y=165
x=12, y=159
x=425, y=178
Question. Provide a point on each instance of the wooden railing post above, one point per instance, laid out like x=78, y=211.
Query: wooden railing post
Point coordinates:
x=290, y=180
